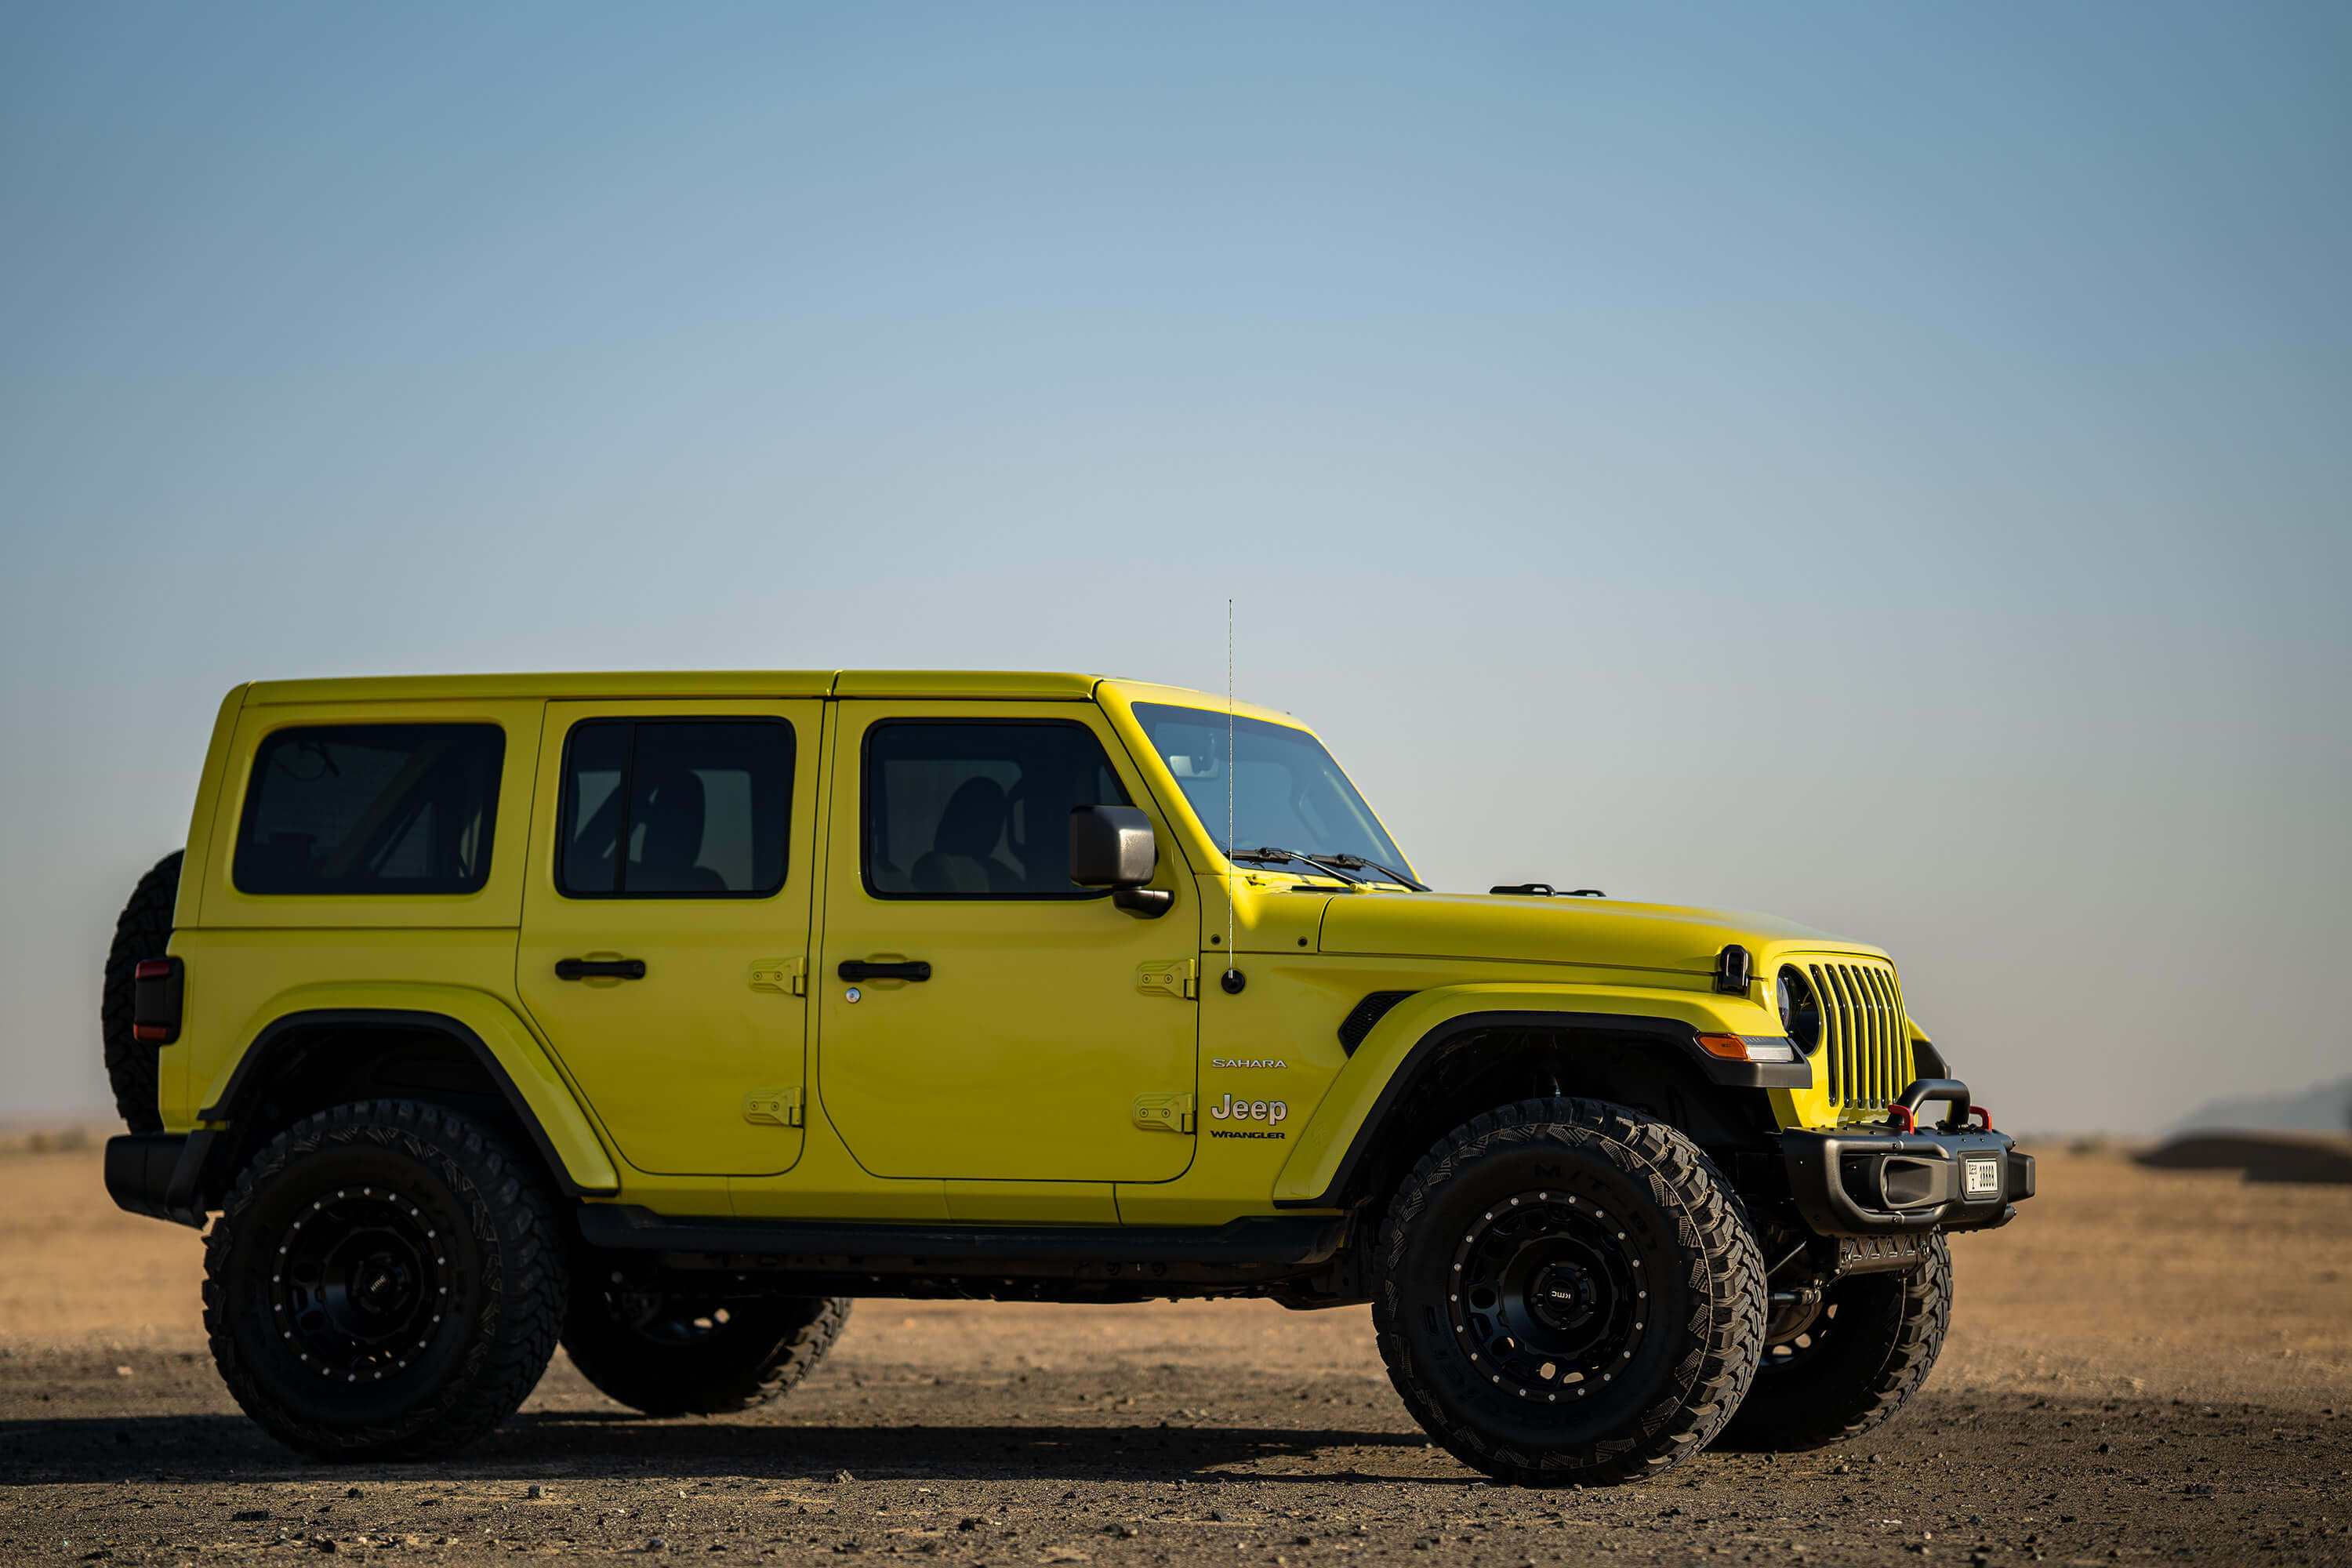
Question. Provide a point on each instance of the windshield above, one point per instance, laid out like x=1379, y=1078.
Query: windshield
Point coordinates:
x=1286, y=790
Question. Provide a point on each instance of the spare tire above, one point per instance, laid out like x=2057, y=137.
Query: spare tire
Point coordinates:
x=142, y=932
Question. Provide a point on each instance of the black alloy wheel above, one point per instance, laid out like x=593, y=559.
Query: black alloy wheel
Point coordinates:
x=360, y=1284
x=667, y=1319
x=1548, y=1297
x=1565, y=1293
x=1832, y=1373
x=385, y=1282
x=670, y=1351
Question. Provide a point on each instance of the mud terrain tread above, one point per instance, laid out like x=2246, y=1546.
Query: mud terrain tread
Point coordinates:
x=1818, y=1413
x=141, y=932
x=667, y=1386
x=1725, y=1268
x=524, y=1285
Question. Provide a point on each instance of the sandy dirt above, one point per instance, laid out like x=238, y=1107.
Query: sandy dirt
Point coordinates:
x=2148, y=1364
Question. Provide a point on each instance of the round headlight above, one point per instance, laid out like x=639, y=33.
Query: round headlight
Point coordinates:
x=1801, y=1014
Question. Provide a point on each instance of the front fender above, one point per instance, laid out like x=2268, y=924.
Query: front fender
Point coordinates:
x=480, y=1021
x=1377, y=1075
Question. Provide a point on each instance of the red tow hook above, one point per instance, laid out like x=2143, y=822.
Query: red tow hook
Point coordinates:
x=1980, y=1111
x=1901, y=1115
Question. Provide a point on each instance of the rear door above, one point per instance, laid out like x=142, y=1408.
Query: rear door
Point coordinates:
x=666, y=924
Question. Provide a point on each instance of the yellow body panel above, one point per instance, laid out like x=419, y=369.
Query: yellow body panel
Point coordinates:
x=251, y=979
x=695, y=1069
x=1021, y=1059
x=1067, y=1063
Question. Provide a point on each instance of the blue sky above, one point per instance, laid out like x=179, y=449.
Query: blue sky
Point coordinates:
x=1885, y=464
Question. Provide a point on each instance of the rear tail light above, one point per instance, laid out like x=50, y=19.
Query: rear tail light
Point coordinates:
x=155, y=993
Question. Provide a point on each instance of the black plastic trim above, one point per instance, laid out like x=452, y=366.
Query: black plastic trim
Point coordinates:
x=600, y=969
x=1816, y=1162
x=1368, y=1011
x=936, y=1248
x=866, y=969
x=264, y=1043
x=1727, y=1074
x=1927, y=1061
x=157, y=1174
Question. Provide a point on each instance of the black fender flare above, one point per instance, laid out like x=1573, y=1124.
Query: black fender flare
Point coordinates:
x=278, y=1038
x=1670, y=1032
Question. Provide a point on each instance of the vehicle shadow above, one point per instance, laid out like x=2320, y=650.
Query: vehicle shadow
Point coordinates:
x=123, y=1449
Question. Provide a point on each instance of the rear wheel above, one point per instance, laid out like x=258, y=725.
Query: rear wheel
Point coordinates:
x=385, y=1282
x=1849, y=1365
x=142, y=932
x=1565, y=1293
x=670, y=1352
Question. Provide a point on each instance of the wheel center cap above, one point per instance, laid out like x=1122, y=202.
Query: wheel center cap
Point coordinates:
x=1562, y=1295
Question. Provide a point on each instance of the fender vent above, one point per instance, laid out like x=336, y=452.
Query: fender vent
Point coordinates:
x=1364, y=1014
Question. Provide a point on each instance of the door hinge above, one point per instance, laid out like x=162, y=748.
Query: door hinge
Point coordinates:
x=1164, y=1112
x=773, y=1107
x=787, y=976
x=1170, y=977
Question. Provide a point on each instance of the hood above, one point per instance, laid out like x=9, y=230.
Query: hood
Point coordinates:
x=1603, y=932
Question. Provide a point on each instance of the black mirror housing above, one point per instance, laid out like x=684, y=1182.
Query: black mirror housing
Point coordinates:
x=1111, y=846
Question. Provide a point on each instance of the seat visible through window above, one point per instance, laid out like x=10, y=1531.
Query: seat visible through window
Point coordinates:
x=675, y=808
x=978, y=810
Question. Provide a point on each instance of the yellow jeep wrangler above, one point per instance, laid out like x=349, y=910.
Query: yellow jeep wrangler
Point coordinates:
x=661, y=1015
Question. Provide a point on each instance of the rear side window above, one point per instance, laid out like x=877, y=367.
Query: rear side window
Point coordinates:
x=371, y=809
x=966, y=810
x=675, y=808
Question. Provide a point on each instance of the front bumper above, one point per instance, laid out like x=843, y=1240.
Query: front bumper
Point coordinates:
x=1865, y=1182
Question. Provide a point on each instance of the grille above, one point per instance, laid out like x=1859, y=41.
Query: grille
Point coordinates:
x=1865, y=1046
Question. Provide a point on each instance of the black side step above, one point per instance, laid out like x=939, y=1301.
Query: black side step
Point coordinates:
x=948, y=1249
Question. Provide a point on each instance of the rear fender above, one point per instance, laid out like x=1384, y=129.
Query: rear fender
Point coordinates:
x=1380, y=1075
x=539, y=1095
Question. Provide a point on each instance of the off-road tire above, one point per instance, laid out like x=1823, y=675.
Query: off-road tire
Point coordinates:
x=1694, y=1336
x=1858, y=1362
x=482, y=1282
x=142, y=933
x=667, y=1355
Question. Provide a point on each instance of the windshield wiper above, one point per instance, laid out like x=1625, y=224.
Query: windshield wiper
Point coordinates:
x=1343, y=866
x=1357, y=863
x=1266, y=854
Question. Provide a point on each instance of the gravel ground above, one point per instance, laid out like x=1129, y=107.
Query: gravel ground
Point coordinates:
x=2120, y=1384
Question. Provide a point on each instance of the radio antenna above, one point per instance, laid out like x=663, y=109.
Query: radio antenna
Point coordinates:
x=1232, y=981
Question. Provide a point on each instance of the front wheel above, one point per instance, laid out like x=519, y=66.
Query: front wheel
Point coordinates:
x=673, y=1352
x=1565, y=1292
x=1831, y=1376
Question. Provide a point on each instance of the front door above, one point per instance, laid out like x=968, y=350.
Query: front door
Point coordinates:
x=666, y=924
x=1051, y=1039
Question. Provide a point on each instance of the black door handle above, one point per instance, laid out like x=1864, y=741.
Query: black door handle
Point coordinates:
x=600, y=969
x=858, y=969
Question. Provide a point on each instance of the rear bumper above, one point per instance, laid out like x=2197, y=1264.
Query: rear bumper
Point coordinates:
x=1859, y=1181
x=157, y=1174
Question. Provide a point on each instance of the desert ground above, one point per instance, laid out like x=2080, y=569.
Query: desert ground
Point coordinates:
x=2149, y=1364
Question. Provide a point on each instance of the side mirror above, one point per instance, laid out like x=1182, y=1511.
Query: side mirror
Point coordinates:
x=1112, y=847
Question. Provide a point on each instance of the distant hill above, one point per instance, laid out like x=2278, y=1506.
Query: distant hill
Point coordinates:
x=2325, y=1108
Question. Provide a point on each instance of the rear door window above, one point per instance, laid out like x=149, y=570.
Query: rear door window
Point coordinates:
x=675, y=808
x=337, y=809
